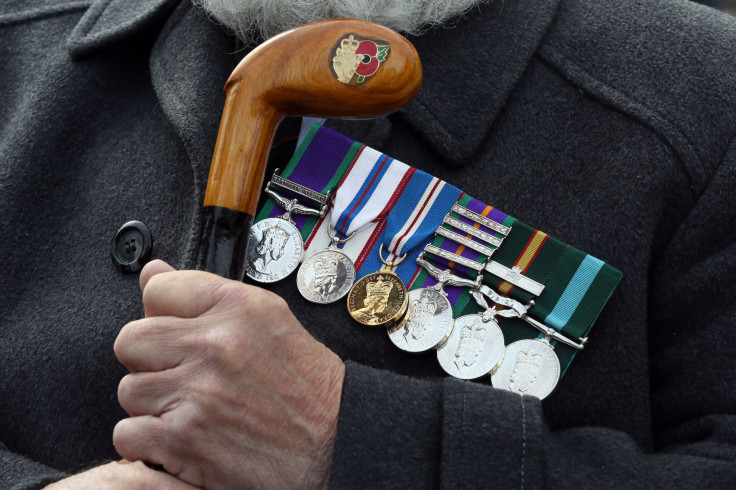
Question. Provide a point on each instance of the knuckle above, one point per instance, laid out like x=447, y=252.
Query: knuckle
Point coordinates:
x=245, y=299
x=125, y=390
x=128, y=337
x=275, y=302
x=266, y=301
x=220, y=342
x=151, y=291
x=236, y=292
x=183, y=426
x=158, y=281
x=121, y=438
x=124, y=341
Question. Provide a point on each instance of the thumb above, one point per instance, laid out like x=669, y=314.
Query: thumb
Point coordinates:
x=151, y=269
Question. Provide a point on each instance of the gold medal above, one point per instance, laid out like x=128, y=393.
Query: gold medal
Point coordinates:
x=379, y=299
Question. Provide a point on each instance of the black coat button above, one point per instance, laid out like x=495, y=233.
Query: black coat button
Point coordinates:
x=131, y=247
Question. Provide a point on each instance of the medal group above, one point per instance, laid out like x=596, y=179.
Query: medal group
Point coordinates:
x=435, y=268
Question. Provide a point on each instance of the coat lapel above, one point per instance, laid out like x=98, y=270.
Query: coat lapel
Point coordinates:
x=190, y=62
x=107, y=22
x=459, y=101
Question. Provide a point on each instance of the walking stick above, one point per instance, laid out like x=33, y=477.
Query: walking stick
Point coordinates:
x=340, y=68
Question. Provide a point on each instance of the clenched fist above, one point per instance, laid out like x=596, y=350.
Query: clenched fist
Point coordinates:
x=227, y=389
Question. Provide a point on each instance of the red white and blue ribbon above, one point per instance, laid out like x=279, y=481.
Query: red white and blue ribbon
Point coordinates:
x=416, y=215
x=367, y=191
x=364, y=198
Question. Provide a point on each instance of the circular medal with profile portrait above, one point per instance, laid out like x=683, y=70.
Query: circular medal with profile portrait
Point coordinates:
x=275, y=248
x=378, y=299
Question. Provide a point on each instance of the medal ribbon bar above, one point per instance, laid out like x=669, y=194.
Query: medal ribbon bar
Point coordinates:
x=576, y=285
x=515, y=277
x=462, y=240
x=457, y=259
x=323, y=199
x=470, y=230
x=478, y=218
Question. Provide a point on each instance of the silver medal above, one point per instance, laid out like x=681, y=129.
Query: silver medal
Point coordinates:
x=427, y=323
x=275, y=248
x=326, y=276
x=530, y=367
x=475, y=347
x=275, y=245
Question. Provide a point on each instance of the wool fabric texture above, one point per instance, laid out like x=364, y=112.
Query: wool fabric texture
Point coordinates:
x=607, y=124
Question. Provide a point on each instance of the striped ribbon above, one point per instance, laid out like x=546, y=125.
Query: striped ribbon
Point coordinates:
x=413, y=219
x=319, y=163
x=576, y=285
x=532, y=251
x=368, y=191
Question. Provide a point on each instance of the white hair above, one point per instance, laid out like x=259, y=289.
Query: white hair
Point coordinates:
x=270, y=17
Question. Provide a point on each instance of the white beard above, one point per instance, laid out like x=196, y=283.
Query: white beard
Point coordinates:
x=270, y=17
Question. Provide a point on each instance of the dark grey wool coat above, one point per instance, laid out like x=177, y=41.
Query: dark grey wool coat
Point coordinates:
x=608, y=124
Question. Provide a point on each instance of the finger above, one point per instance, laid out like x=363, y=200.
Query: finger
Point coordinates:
x=144, y=478
x=154, y=344
x=185, y=294
x=151, y=269
x=145, y=439
x=141, y=439
x=149, y=393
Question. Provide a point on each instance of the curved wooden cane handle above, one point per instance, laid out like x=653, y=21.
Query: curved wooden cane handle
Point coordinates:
x=323, y=69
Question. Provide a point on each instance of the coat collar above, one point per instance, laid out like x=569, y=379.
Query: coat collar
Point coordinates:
x=107, y=22
x=458, y=103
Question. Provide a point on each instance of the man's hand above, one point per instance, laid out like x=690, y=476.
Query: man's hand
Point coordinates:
x=122, y=475
x=227, y=389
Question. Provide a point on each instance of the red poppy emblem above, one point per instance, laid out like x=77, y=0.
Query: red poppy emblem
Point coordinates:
x=368, y=63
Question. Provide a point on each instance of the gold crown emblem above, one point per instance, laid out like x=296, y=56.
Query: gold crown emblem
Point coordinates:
x=325, y=268
x=379, y=288
x=472, y=334
x=529, y=360
x=349, y=45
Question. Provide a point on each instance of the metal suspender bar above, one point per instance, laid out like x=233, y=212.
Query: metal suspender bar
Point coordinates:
x=463, y=240
x=515, y=277
x=300, y=189
x=488, y=223
x=472, y=230
x=471, y=264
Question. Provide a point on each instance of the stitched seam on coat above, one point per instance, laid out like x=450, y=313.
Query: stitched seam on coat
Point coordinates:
x=722, y=159
x=729, y=148
x=523, y=440
x=556, y=61
x=42, y=13
x=464, y=458
x=93, y=22
x=435, y=119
